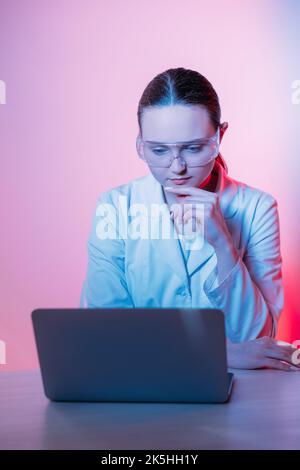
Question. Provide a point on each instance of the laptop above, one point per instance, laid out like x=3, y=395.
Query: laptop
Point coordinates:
x=166, y=355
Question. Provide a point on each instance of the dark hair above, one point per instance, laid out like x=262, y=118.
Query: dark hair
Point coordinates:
x=182, y=86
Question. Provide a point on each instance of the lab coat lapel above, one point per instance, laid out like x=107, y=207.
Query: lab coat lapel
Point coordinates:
x=198, y=257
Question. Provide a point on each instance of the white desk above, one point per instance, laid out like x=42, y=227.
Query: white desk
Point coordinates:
x=263, y=413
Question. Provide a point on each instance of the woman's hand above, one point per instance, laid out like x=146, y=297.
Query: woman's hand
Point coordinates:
x=215, y=228
x=260, y=353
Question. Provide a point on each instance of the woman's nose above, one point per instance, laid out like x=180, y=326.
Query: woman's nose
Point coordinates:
x=178, y=163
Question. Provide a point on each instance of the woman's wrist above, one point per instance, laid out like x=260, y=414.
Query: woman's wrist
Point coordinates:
x=227, y=257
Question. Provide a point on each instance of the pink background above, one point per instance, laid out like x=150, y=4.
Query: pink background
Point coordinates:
x=74, y=72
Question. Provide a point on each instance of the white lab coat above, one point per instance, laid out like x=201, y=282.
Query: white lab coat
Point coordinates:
x=126, y=272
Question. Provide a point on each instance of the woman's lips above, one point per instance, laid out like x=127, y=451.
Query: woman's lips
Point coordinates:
x=179, y=180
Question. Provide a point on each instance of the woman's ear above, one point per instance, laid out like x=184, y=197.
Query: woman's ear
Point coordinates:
x=138, y=145
x=223, y=128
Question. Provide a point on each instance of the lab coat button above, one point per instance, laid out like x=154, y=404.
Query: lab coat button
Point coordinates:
x=181, y=291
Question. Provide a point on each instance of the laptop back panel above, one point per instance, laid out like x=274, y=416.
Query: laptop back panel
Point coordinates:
x=138, y=355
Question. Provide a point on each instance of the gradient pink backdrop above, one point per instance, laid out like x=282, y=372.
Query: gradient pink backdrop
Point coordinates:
x=74, y=72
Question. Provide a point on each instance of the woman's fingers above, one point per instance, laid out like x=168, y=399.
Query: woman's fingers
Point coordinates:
x=192, y=213
x=275, y=364
x=285, y=353
x=281, y=355
x=176, y=210
x=184, y=213
x=273, y=354
x=263, y=352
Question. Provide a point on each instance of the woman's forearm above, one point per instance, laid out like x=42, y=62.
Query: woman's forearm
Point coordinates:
x=231, y=288
x=227, y=257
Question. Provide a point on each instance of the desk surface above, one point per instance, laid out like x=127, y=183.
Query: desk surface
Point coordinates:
x=263, y=413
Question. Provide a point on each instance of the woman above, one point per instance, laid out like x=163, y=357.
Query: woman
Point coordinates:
x=229, y=255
